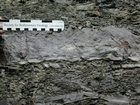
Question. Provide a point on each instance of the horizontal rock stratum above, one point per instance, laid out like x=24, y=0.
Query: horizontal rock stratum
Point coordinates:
x=72, y=45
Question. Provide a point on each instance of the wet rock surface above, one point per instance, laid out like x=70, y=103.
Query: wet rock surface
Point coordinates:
x=89, y=63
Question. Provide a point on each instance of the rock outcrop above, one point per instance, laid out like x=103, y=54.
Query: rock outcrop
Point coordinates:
x=72, y=45
x=83, y=65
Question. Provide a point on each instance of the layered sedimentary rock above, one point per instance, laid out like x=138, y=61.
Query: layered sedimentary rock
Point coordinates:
x=74, y=67
x=71, y=67
x=72, y=45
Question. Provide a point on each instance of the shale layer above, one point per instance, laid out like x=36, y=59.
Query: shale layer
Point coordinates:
x=94, y=61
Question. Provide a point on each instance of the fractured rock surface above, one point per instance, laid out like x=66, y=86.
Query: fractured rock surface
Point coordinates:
x=72, y=45
x=100, y=67
x=75, y=81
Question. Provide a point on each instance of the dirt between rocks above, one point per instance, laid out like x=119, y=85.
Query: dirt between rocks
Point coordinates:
x=94, y=61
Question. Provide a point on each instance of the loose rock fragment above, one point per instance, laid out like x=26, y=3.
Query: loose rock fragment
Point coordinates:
x=119, y=100
x=54, y=65
x=131, y=66
x=86, y=7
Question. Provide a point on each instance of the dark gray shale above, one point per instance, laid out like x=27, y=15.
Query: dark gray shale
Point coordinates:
x=84, y=65
x=97, y=14
x=73, y=67
x=99, y=82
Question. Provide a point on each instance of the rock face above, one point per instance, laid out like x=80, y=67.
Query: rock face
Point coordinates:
x=83, y=82
x=89, y=66
x=72, y=67
x=72, y=45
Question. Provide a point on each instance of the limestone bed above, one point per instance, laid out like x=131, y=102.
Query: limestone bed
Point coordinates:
x=72, y=45
x=72, y=67
x=94, y=61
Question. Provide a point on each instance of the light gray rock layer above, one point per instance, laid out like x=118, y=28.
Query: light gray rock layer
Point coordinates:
x=72, y=45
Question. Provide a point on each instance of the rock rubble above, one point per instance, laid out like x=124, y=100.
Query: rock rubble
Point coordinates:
x=78, y=82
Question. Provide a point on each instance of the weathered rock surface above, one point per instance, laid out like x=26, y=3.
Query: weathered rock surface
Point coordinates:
x=118, y=100
x=113, y=78
x=86, y=66
x=72, y=45
x=99, y=13
x=71, y=83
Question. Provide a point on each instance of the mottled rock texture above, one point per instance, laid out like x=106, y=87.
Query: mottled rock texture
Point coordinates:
x=89, y=66
x=83, y=82
x=72, y=67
